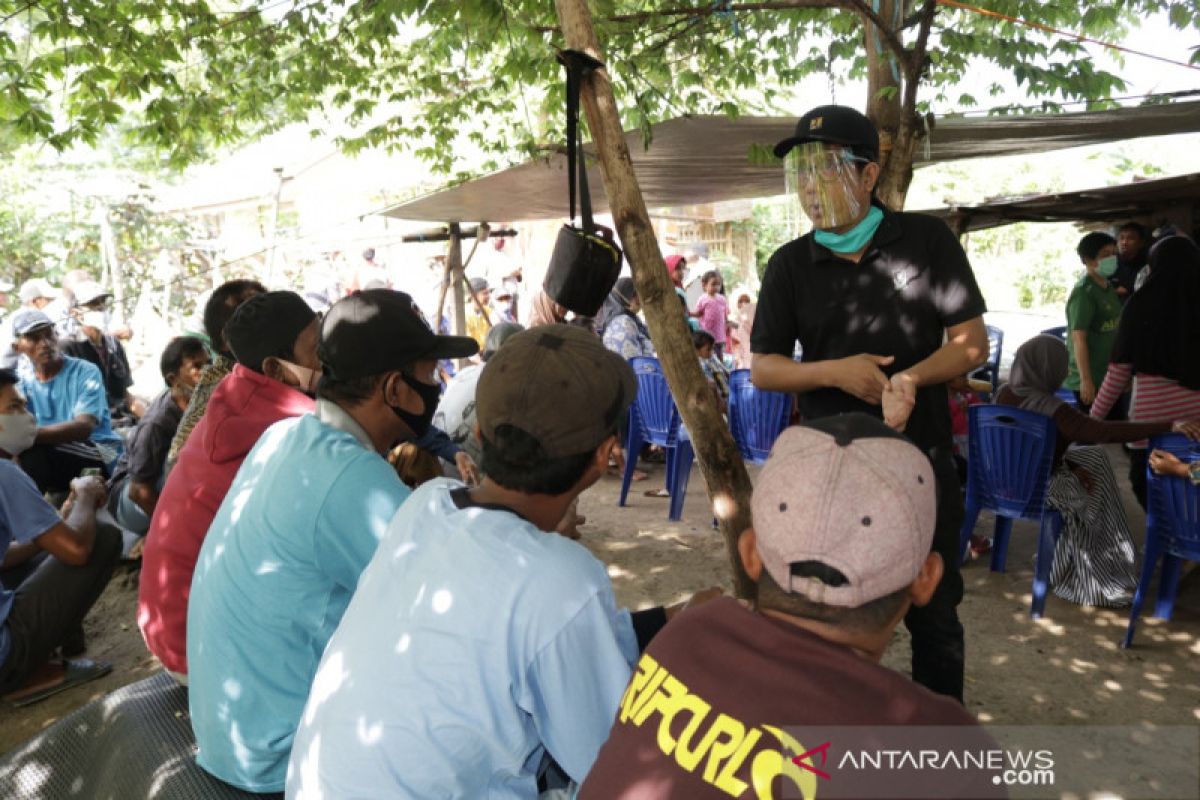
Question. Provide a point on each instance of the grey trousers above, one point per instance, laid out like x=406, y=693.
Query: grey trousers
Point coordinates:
x=50, y=602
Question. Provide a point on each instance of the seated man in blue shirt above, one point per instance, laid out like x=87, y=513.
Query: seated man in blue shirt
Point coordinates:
x=300, y=522
x=480, y=645
x=51, y=570
x=67, y=396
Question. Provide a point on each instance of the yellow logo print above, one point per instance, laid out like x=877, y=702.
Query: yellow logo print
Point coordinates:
x=815, y=123
x=711, y=745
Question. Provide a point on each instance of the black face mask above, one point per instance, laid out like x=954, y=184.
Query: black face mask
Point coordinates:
x=429, y=394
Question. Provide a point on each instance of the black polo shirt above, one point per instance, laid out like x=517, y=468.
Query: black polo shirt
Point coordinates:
x=912, y=283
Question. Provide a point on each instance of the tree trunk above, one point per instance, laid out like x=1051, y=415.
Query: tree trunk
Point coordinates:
x=719, y=459
x=892, y=82
x=885, y=106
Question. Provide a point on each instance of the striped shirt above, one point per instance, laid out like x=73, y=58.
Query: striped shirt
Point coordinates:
x=1155, y=398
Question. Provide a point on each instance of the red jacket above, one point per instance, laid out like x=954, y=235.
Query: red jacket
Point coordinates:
x=243, y=405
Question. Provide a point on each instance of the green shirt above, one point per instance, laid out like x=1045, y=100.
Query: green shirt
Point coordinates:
x=1096, y=310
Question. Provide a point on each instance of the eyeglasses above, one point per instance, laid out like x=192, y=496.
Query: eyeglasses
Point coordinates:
x=825, y=164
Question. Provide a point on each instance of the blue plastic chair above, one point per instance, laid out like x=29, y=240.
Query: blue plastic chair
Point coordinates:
x=990, y=371
x=756, y=416
x=654, y=418
x=1011, y=455
x=1059, y=331
x=1172, y=530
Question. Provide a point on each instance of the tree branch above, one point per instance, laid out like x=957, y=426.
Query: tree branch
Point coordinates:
x=887, y=34
x=918, y=55
x=699, y=12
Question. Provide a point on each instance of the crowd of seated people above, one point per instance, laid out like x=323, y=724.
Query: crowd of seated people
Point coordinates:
x=344, y=632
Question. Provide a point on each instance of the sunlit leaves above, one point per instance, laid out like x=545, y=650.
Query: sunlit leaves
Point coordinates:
x=443, y=78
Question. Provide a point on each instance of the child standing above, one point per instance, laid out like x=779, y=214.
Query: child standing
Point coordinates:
x=713, y=311
x=714, y=370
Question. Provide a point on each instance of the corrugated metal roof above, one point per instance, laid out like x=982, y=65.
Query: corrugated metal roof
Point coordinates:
x=1104, y=204
x=705, y=159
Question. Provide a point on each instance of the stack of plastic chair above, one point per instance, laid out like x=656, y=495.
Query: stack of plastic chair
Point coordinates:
x=1172, y=530
x=756, y=417
x=1008, y=473
x=655, y=419
x=990, y=371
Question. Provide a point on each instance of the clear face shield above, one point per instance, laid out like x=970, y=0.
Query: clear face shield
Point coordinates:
x=826, y=178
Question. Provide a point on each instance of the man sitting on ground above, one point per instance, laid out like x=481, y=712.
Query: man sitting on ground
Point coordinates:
x=67, y=396
x=480, y=645
x=52, y=569
x=300, y=522
x=844, y=514
x=220, y=307
x=97, y=345
x=274, y=337
x=138, y=478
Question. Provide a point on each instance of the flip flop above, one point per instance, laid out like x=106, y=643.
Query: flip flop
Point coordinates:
x=656, y=493
x=80, y=670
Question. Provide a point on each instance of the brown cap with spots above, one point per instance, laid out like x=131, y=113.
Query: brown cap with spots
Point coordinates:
x=558, y=385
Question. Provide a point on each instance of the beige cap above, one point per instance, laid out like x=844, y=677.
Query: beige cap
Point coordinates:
x=852, y=494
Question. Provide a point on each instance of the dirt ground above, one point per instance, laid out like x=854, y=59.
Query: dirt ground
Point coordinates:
x=1065, y=668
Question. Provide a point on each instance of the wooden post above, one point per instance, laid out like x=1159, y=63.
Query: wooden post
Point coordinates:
x=719, y=459
x=454, y=265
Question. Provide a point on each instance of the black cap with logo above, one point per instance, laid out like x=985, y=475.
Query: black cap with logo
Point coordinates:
x=835, y=125
x=380, y=330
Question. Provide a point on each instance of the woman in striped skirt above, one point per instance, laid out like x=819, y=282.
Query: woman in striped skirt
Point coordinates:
x=1094, y=559
x=1157, y=348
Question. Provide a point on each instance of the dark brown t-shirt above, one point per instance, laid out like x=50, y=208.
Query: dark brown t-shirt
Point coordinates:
x=706, y=712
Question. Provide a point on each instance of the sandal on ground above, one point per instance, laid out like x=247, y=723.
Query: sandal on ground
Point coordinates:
x=77, y=671
x=656, y=493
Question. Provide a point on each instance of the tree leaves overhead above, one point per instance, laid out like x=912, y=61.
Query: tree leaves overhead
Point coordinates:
x=445, y=78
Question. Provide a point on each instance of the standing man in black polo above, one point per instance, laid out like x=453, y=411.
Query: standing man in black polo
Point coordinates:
x=886, y=310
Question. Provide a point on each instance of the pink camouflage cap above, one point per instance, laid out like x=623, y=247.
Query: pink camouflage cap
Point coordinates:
x=851, y=493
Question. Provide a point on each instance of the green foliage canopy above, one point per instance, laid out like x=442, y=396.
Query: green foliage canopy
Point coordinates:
x=478, y=75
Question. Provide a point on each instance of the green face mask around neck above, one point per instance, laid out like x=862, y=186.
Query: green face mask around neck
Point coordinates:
x=854, y=239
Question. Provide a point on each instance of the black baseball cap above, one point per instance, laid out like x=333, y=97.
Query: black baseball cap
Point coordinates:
x=380, y=330
x=835, y=125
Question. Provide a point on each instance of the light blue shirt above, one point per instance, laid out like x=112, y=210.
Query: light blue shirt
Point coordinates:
x=24, y=516
x=77, y=389
x=277, y=568
x=475, y=644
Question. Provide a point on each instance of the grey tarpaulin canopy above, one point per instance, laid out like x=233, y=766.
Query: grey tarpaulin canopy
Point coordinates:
x=704, y=159
x=1106, y=204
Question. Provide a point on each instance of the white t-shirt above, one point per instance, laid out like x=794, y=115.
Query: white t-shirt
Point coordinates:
x=456, y=411
x=475, y=643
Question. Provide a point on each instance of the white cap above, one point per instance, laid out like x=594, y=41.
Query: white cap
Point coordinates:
x=89, y=292
x=34, y=288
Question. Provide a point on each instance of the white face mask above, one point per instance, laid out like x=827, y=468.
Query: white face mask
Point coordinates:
x=95, y=319
x=306, y=379
x=17, y=432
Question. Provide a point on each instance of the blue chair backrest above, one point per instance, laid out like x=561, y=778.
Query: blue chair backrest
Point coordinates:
x=1012, y=451
x=656, y=411
x=1174, y=503
x=995, y=348
x=756, y=416
x=1060, y=332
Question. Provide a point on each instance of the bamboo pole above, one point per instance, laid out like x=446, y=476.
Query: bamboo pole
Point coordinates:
x=718, y=456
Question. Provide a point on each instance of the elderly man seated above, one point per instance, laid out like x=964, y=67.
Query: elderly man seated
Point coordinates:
x=67, y=396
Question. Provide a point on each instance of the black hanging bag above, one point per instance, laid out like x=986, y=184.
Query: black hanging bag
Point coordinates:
x=586, y=261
